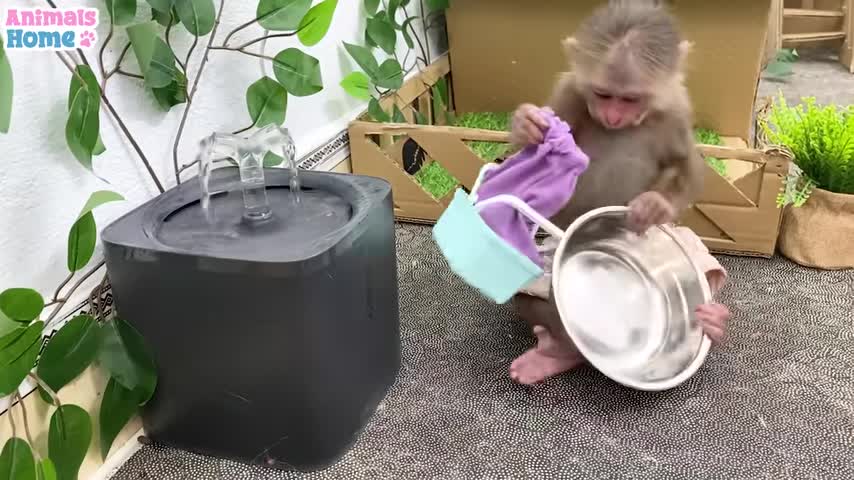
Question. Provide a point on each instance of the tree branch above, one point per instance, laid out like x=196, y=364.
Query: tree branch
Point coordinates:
x=129, y=74
x=190, y=53
x=168, y=36
x=101, y=56
x=261, y=39
x=192, y=93
x=62, y=301
x=424, y=54
x=241, y=27
x=26, y=420
x=245, y=52
x=118, y=64
x=12, y=423
x=53, y=396
x=119, y=120
x=60, y=287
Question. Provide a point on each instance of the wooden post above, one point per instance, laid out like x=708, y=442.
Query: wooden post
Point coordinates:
x=846, y=53
x=774, y=37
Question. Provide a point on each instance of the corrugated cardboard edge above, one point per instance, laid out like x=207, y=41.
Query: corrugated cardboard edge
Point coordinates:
x=722, y=69
x=739, y=216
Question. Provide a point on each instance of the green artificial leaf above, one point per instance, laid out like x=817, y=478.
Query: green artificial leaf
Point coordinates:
x=173, y=94
x=165, y=18
x=18, y=353
x=121, y=12
x=357, y=85
x=390, y=75
x=69, y=352
x=124, y=354
x=7, y=325
x=272, y=160
x=364, y=58
x=298, y=72
x=281, y=15
x=381, y=31
x=118, y=406
x=156, y=60
x=315, y=24
x=779, y=69
x=45, y=470
x=83, y=124
x=397, y=115
x=81, y=242
x=370, y=43
x=406, y=36
x=442, y=88
x=93, y=89
x=6, y=90
x=393, y=7
x=371, y=6
x=21, y=304
x=68, y=440
x=420, y=119
x=16, y=461
x=267, y=102
x=198, y=16
x=434, y=5
x=82, y=236
x=375, y=110
x=99, y=147
x=161, y=5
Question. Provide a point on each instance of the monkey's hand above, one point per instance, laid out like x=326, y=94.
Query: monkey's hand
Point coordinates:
x=713, y=318
x=527, y=125
x=648, y=209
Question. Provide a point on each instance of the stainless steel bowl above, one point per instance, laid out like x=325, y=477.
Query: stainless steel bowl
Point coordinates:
x=628, y=301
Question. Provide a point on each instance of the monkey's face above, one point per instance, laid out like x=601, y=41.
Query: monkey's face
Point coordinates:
x=617, y=109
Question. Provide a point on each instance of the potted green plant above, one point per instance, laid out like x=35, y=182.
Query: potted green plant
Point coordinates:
x=818, y=221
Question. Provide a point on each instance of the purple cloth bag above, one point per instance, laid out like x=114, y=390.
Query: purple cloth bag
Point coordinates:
x=543, y=176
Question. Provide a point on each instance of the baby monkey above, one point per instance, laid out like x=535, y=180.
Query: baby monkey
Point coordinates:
x=630, y=112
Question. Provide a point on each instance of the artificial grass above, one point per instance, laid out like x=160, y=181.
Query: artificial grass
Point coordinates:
x=710, y=137
x=438, y=182
x=488, y=151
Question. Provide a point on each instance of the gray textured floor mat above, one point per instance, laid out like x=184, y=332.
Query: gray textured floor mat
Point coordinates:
x=776, y=401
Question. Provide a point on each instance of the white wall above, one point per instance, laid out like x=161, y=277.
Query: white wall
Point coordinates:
x=42, y=186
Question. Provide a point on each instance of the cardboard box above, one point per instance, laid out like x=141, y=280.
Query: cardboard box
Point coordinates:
x=506, y=52
x=736, y=215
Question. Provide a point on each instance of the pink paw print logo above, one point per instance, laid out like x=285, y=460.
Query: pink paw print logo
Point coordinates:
x=87, y=38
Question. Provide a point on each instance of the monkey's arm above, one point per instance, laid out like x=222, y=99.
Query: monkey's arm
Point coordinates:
x=681, y=178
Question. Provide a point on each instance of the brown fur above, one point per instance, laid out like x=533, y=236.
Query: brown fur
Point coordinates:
x=658, y=153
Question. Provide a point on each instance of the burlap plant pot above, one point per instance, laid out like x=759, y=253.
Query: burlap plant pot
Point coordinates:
x=820, y=233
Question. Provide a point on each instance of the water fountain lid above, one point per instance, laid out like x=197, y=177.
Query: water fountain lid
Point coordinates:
x=329, y=206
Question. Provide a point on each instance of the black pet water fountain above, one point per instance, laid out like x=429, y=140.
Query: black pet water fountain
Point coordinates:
x=269, y=300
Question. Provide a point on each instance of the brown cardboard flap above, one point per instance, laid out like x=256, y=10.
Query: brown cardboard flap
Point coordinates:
x=506, y=52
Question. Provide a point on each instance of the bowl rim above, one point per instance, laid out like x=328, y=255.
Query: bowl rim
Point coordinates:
x=627, y=381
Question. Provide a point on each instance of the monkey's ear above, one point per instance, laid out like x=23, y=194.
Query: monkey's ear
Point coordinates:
x=569, y=45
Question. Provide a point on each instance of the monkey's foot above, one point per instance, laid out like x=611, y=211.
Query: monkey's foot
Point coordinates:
x=547, y=359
